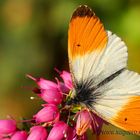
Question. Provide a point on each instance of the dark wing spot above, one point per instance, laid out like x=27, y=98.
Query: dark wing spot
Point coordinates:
x=125, y=119
x=78, y=45
x=83, y=11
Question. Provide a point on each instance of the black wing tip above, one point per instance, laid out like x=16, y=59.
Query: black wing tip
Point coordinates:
x=82, y=11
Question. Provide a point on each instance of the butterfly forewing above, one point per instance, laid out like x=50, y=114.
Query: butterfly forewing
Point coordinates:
x=86, y=35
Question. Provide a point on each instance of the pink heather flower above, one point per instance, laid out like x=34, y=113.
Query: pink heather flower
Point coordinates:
x=52, y=96
x=49, y=113
x=7, y=126
x=83, y=122
x=19, y=135
x=46, y=84
x=37, y=133
x=49, y=91
x=43, y=83
x=66, y=76
x=62, y=87
x=71, y=135
x=96, y=127
x=59, y=131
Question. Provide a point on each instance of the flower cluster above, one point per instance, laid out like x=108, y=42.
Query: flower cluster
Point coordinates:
x=56, y=120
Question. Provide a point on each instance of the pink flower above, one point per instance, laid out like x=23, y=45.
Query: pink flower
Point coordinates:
x=83, y=122
x=43, y=83
x=67, y=79
x=71, y=135
x=96, y=127
x=63, y=87
x=49, y=91
x=37, y=133
x=7, y=126
x=19, y=135
x=46, y=84
x=66, y=76
x=49, y=113
x=59, y=131
x=52, y=96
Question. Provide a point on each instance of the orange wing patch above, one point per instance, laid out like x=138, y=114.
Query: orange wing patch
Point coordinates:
x=86, y=33
x=129, y=117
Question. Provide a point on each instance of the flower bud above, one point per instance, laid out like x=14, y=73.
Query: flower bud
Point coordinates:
x=59, y=131
x=19, y=135
x=67, y=79
x=52, y=96
x=71, y=135
x=7, y=126
x=37, y=133
x=83, y=122
x=46, y=84
x=48, y=114
x=63, y=87
x=43, y=83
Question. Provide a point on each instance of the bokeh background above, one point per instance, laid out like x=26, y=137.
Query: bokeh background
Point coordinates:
x=33, y=40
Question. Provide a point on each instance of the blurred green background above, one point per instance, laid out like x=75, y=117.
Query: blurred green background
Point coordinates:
x=33, y=40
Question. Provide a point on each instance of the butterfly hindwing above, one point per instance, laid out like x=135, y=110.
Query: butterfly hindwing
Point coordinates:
x=119, y=103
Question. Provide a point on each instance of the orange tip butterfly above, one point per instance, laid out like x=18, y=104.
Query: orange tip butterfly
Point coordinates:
x=98, y=65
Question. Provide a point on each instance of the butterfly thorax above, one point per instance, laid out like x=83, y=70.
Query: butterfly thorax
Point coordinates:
x=83, y=94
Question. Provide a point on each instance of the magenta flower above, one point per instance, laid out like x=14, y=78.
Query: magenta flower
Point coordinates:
x=7, y=126
x=43, y=83
x=66, y=76
x=37, y=133
x=19, y=135
x=59, y=131
x=46, y=84
x=49, y=91
x=52, y=96
x=96, y=127
x=63, y=87
x=49, y=113
x=46, y=124
x=83, y=122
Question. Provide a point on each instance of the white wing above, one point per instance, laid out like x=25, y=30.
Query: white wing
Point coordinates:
x=119, y=102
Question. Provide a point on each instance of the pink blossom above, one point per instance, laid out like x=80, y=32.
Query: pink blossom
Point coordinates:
x=37, y=133
x=59, y=131
x=7, y=126
x=46, y=84
x=19, y=135
x=43, y=83
x=83, y=122
x=71, y=135
x=49, y=113
x=63, y=87
x=66, y=76
x=96, y=127
x=52, y=96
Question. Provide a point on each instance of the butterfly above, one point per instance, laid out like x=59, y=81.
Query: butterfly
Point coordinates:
x=98, y=65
